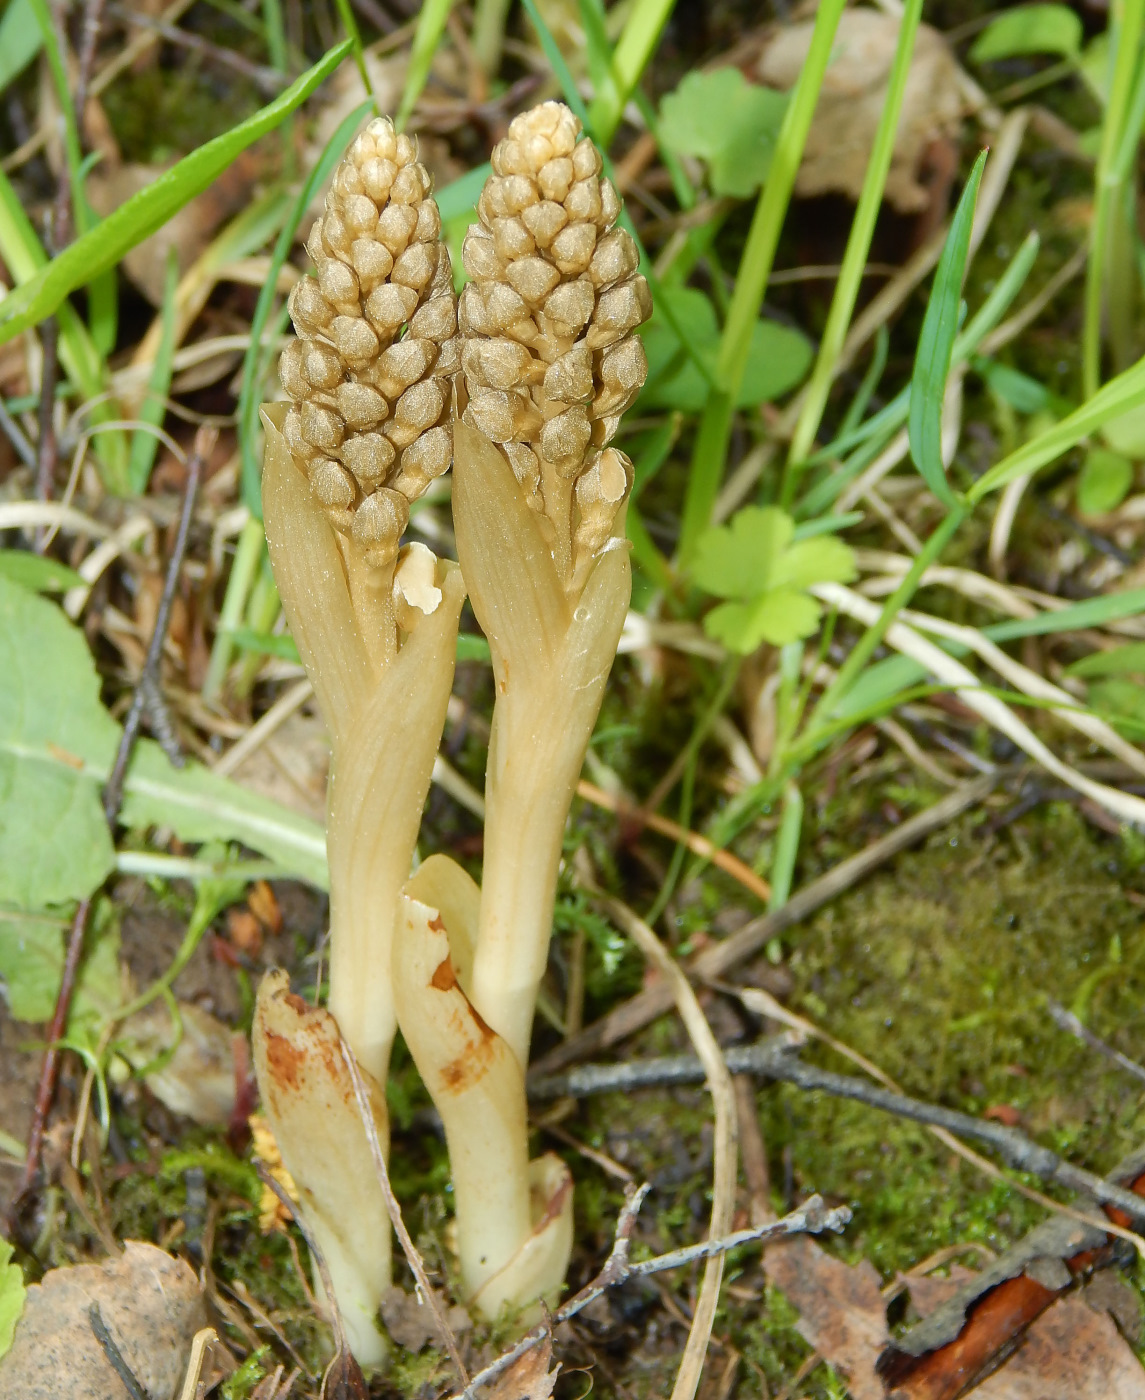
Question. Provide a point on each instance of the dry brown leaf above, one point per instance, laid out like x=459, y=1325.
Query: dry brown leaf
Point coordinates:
x=188, y=232
x=529, y=1378
x=1069, y=1353
x=852, y=99
x=842, y=1313
x=199, y=1079
x=292, y=766
x=151, y=1305
x=411, y=1324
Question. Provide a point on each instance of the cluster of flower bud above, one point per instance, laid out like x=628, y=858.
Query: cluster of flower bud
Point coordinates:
x=370, y=371
x=547, y=325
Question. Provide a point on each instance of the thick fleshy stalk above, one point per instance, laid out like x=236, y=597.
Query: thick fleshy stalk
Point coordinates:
x=514, y=1217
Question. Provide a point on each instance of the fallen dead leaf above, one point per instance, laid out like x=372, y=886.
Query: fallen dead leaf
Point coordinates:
x=188, y=232
x=529, y=1378
x=151, y=1305
x=292, y=766
x=1069, y=1353
x=411, y=1324
x=199, y=1079
x=852, y=98
x=842, y=1313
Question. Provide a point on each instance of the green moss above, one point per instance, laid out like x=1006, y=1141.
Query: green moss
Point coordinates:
x=162, y=113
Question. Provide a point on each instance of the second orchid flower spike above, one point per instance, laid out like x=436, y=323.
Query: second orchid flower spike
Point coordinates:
x=550, y=361
x=549, y=355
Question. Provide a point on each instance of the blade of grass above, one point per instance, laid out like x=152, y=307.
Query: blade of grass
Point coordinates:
x=154, y=407
x=254, y=362
x=633, y=51
x=430, y=27
x=24, y=256
x=275, y=34
x=936, y=344
x=354, y=34
x=20, y=40
x=782, y=873
x=855, y=256
x=712, y=439
x=1126, y=44
x=869, y=383
x=148, y=210
x=248, y=555
x=1125, y=392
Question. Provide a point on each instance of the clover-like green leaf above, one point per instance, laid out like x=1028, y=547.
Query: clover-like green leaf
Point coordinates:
x=756, y=563
x=730, y=123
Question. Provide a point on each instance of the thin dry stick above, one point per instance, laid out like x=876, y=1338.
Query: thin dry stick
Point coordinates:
x=810, y=1218
x=723, y=1100
x=199, y=1344
x=407, y=1244
x=257, y=735
x=112, y=800
x=697, y=844
x=1067, y=1021
x=636, y=1013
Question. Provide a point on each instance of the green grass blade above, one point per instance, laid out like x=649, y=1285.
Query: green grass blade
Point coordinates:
x=275, y=30
x=561, y=70
x=1125, y=42
x=20, y=40
x=154, y=407
x=255, y=358
x=857, y=250
x=786, y=847
x=354, y=34
x=430, y=27
x=631, y=56
x=936, y=344
x=148, y=210
x=1093, y=612
x=1120, y=395
x=710, y=452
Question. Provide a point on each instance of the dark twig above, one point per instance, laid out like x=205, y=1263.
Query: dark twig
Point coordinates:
x=112, y=801
x=149, y=677
x=775, y=1059
x=811, y=1218
x=92, y=23
x=115, y=1357
x=371, y=10
x=159, y=717
x=268, y=80
x=413, y=1258
x=1067, y=1021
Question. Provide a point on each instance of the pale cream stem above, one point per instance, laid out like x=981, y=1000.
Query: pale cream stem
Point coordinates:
x=371, y=592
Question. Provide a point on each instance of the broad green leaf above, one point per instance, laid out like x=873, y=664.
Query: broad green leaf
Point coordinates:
x=1029, y=29
x=821, y=560
x=11, y=1287
x=56, y=740
x=738, y=560
x=780, y=616
x=1126, y=433
x=1122, y=701
x=31, y=964
x=37, y=572
x=1104, y=481
x=780, y=357
x=1022, y=393
x=1120, y=661
x=20, y=41
x=729, y=123
x=936, y=344
x=143, y=213
x=57, y=744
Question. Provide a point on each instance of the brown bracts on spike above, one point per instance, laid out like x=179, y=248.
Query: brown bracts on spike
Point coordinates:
x=369, y=373
x=547, y=326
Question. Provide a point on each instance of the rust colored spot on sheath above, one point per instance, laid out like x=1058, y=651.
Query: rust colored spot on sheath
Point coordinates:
x=284, y=1060
x=436, y=924
x=296, y=1003
x=443, y=977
